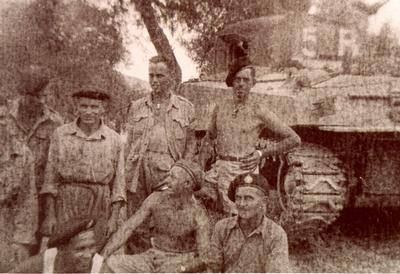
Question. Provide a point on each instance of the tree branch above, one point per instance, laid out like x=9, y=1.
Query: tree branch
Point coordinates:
x=158, y=37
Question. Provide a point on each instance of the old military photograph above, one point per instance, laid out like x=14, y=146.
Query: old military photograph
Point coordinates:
x=199, y=136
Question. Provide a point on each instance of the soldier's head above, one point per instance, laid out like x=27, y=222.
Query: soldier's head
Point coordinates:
x=90, y=105
x=249, y=193
x=32, y=86
x=160, y=77
x=78, y=241
x=185, y=177
x=241, y=77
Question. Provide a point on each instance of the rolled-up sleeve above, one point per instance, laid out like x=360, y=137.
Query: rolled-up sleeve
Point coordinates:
x=119, y=184
x=26, y=217
x=50, y=185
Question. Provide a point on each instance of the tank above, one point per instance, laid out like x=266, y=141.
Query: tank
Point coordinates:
x=349, y=123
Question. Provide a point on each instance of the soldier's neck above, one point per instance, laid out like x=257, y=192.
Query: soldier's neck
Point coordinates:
x=89, y=129
x=249, y=225
x=240, y=101
x=160, y=98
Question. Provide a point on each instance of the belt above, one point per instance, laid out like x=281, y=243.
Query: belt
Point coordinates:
x=230, y=158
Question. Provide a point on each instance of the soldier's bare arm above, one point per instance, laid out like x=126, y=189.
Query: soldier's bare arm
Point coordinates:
x=124, y=232
x=289, y=138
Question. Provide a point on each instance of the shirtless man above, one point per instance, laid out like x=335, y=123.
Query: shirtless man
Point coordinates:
x=236, y=127
x=181, y=229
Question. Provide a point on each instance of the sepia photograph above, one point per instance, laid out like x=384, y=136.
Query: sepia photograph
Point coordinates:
x=188, y=136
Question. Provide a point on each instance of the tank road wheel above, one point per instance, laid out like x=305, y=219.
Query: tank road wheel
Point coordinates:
x=312, y=190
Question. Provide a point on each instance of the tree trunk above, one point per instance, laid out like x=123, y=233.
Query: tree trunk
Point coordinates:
x=158, y=37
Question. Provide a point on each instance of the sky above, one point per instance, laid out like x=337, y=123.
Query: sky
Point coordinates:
x=140, y=51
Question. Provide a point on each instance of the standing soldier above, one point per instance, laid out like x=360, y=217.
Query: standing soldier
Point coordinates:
x=85, y=169
x=160, y=132
x=34, y=122
x=18, y=196
x=236, y=128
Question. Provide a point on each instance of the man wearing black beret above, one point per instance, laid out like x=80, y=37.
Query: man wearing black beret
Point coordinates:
x=180, y=237
x=85, y=169
x=249, y=242
x=71, y=249
x=235, y=128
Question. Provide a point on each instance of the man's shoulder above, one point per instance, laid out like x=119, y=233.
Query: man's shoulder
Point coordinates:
x=65, y=128
x=273, y=229
x=225, y=224
x=183, y=101
x=110, y=133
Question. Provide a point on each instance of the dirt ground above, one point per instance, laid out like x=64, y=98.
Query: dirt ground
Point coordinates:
x=359, y=241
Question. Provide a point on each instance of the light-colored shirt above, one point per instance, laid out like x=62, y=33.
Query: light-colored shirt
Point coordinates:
x=263, y=250
x=77, y=158
x=179, y=132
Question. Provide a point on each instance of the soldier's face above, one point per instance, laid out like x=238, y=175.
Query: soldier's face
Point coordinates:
x=242, y=83
x=81, y=250
x=179, y=181
x=90, y=111
x=250, y=202
x=159, y=77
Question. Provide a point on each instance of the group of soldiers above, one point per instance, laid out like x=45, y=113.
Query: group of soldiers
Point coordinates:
x=82, y=200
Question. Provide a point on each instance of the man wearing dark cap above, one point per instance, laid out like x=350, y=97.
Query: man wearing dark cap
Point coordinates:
x=18, y=196
x=180, y=238
x=85, y=170
x=34, y=121
x=236, y=127
x=71, y=249
x=249, y=242
x=159, y=133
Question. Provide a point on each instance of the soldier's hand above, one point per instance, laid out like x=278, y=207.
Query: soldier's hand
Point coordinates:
x=251, y=162
x=48, y=226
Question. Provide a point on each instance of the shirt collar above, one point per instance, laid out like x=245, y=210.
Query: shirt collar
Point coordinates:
x=173, y=101
x=261, y=229
x=97, y=135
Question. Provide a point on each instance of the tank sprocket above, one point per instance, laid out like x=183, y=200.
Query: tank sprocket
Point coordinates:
x=313, y=189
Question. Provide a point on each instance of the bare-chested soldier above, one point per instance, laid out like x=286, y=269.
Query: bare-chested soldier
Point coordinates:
x=236, y=127
x=181, y=228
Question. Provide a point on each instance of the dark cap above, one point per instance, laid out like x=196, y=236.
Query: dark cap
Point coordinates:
x=235, y=67
x=248, y=180
x=193, y=170
x=74, y=227
x=91, y=93
x=32, y=82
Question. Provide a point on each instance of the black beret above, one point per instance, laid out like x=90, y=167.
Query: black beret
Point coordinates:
x=249, y=180
x=195, y=172
x=92, y=93
x=75, y=226
x=32, y=82
x=235, y=67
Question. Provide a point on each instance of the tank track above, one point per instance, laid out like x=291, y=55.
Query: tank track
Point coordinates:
x=313, y=190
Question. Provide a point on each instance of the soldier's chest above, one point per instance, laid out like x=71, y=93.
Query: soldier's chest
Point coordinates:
x=242, y=119
x=174, y=220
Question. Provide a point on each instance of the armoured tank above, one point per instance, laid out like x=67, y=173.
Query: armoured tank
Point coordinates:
x=349, y=123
